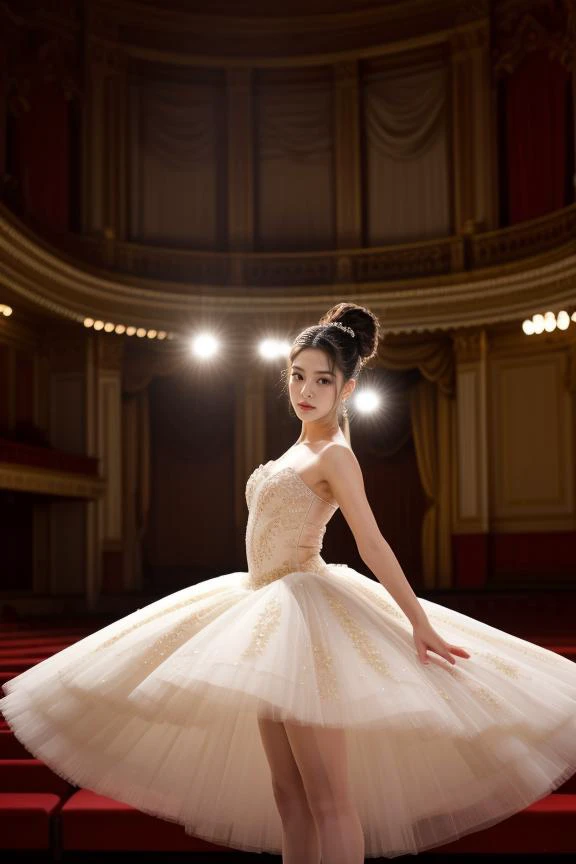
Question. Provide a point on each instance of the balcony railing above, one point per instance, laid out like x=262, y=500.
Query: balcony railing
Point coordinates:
x=269, y=270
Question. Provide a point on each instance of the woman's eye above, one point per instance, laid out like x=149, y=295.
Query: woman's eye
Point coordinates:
x=323, y=380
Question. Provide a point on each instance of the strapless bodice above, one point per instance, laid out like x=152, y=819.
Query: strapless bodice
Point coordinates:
x=286, y=524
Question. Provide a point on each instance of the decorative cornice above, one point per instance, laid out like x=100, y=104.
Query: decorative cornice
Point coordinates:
x=23, y=478
x=34, y=271
x=177, y=36
x=538, y=25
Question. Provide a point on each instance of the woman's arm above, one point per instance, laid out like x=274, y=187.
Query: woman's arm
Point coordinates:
x=340, y=468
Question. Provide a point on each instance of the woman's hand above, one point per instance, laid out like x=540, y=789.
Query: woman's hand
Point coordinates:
x=426, y=638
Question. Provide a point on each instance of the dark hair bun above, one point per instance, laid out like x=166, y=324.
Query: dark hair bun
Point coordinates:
x=365, y=324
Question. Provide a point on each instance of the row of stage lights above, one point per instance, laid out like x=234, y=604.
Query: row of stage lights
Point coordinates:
x=547, y=322
x=205, y=345
x=127, y=330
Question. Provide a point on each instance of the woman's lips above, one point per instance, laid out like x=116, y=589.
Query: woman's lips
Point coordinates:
x=306, y=407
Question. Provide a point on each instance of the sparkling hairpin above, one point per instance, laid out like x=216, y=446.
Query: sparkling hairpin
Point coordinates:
x=342, y=327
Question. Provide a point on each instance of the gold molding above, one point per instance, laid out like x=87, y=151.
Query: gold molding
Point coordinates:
x=65, y=288
x=25, y=478
x=168, y=36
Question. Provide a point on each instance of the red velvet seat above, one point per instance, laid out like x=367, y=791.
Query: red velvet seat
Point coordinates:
x=95, y=822
x=27, y=819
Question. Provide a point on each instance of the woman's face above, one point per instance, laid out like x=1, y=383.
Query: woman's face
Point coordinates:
x=312, y=382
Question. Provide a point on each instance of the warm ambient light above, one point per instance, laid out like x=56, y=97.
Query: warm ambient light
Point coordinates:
x=271, y=348
x=528, y=327
x=5, y=310
x=204, y=345
x=367, y=401
x=110, y=327
x=547, y=322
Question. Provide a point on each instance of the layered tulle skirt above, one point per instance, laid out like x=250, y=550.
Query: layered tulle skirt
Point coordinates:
x=160, y=710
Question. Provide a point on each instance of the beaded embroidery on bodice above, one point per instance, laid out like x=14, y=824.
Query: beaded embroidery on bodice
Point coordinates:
x=286, y=525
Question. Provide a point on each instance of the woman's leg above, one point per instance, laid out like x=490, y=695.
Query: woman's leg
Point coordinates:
x=322, y=759
x=300, y=842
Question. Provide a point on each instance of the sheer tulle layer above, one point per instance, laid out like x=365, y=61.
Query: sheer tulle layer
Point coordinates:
x=160, y=710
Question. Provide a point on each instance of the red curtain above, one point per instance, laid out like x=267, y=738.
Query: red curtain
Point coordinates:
x=43, y=154
x=536, y=126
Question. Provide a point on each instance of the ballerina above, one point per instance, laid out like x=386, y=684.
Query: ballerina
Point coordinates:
x=344, y=708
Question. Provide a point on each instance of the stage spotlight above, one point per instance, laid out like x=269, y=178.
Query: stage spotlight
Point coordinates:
x=367, y=401
x=271, y=348
x=528, y=327
x=538, y=321
x=5, y=310
x=204, y=345
x=563, y=320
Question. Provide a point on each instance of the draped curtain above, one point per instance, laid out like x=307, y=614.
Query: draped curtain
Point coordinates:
x=431, y=409
x=536, y=133
x=175, y=147
x=295, y=208
x=407, y=186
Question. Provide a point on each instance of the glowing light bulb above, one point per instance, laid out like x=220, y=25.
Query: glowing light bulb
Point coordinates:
x=271, y=348
x=204, y=345
x=528, y=327
x=367, y=401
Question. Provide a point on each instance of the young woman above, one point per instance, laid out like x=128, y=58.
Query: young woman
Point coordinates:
x=300, y=707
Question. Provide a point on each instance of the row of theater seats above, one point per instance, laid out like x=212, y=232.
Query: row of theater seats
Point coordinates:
x=41, y=811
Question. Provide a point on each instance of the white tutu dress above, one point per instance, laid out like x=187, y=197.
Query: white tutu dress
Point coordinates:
x=160, y=708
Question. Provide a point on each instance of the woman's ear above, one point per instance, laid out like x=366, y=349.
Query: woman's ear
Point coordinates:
x=349, y=388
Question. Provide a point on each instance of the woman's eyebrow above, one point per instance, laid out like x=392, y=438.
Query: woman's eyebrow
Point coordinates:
x=317, y=372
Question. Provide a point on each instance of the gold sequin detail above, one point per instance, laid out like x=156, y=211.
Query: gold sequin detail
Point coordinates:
x=362, y=642
x=268, y=622
x=477, y=689
x=195, y=598
x=324, y=666
x=270, y=576
x=173, y=638
x=279, y=507
x=507, y=668
x=534, y=652
x=278, y=515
